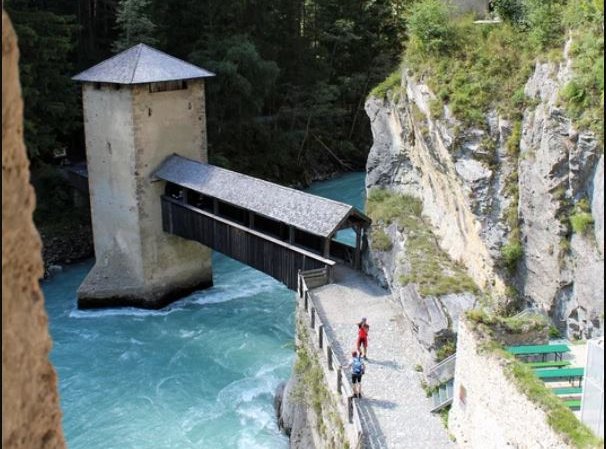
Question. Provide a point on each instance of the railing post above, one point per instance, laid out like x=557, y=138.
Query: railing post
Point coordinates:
x=321, y=335
x=350, y=409
x=339, y=380
x=313, y=317
x=306, y=294
x=329, y=357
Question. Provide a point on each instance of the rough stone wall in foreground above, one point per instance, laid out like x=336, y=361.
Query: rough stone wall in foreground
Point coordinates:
x=31, y=417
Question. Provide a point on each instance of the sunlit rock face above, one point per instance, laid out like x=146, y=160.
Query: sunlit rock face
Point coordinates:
x=31, y=416
x=463, y=176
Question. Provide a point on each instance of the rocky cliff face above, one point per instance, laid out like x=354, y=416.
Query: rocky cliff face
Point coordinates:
x=472, y=181
x=559, y=167
x=31, y=415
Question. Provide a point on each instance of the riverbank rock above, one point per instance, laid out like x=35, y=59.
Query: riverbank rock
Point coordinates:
x=65, y=245
x=292, y=416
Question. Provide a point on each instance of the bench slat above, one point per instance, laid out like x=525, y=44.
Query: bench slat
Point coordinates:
x=559, y=373
x=565, y=391
x=537, y=349
x=573, y=403
x=556, y=364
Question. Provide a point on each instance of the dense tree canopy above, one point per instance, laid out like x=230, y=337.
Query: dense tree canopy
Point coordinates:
x=292, y=75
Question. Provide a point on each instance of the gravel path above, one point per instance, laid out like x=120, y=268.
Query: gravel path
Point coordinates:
x=394, y=409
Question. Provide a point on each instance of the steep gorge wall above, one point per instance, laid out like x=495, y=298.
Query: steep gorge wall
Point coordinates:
x=464, y=176
x=559, y=166
x=31, y=417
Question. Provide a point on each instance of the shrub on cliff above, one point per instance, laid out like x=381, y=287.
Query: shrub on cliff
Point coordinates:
x=430, y=26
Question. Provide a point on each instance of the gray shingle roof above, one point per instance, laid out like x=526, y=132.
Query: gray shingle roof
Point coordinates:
x=141, y=64
x=310, y=213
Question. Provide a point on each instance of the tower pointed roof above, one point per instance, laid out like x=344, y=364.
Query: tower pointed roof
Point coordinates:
x=141, y=64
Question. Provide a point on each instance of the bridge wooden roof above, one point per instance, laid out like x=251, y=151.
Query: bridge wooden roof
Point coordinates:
x=310, y=213
x=141, y=64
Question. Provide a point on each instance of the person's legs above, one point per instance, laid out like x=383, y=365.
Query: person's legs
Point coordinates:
x=355, y=381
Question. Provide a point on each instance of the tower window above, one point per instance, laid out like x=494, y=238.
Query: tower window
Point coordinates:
x=164, y=86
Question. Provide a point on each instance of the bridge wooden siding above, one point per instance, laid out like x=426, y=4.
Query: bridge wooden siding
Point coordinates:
x=279, y=259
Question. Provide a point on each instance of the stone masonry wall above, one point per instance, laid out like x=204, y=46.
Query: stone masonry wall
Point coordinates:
x=31, y=417
x=488, y=411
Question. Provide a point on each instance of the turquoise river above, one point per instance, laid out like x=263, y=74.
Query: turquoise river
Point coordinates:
x=200, y=373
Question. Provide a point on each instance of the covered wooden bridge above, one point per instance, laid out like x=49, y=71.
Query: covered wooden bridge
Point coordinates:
x=275, y=229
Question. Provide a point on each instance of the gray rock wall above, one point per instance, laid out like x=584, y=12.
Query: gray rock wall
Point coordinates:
x=462, y=174
x=562, y=272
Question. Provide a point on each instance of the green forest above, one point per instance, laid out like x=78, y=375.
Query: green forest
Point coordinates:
x=287, y=103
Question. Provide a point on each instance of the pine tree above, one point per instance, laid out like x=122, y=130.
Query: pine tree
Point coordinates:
x=46, y=41
x=134, y=25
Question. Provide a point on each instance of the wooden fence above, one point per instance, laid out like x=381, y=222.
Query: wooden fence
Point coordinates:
x=338, y=381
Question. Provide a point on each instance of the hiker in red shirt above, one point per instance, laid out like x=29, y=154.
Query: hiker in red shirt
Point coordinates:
x=363, y=338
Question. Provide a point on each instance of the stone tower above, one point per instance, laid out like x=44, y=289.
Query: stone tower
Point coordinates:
x=140, y=106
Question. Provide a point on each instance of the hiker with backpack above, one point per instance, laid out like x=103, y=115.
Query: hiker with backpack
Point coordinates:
x=357, y=371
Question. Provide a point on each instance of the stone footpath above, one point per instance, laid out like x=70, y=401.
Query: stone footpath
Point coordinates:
x=394, y=409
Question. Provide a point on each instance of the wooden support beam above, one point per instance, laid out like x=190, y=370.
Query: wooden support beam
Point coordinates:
x=358, y=246
x=326, y=252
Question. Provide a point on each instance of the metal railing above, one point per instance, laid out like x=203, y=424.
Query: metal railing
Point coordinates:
x=443, y=371
x=338, y=382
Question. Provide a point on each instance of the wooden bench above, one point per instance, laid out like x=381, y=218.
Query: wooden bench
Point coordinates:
x=573, y=404
x=559, y=374
x=567, y=391
x=542, y=350
x=554, y=364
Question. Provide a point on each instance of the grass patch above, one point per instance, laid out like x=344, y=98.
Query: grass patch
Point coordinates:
x=581, y=220
x=392, y=82
x=480, y=318
x=387, y=208
x=436, y=108
x=444, y=416
x=446, y=350
x=554, y=332
x=559, y=417
x=431, y=269
x=380, y=240
x=583, y=96
x=312, y=391
x=513, y=141
x=511, y=254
